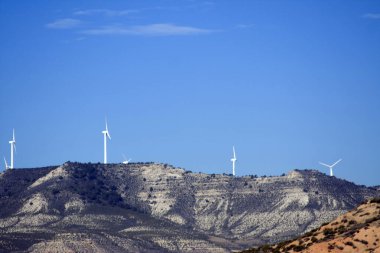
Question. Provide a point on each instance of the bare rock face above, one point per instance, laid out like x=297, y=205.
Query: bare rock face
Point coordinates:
x=147, y=207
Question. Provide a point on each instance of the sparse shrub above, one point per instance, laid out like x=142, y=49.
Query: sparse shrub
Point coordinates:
x=298, y=248
x=290, y=247
x=375, y=200
x=314, y=239
x=266, y=248
x=328, y=232
x=31, y=203
x=151, y=189
x=352, y=222
x=310, y=233
x=55, y=191
x=341, y=229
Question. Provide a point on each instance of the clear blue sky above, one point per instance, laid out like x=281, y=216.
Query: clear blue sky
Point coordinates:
x=289, y=83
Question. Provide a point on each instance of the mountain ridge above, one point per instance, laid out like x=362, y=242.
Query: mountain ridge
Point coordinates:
x=220, y=212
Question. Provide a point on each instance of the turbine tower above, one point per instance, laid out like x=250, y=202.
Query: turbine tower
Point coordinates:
x=233, y=160
x=331, y=166
x=106, y=134
x=13, y=148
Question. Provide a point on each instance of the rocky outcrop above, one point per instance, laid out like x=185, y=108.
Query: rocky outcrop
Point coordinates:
x=155, y=207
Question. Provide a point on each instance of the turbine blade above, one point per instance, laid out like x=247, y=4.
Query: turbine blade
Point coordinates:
x=233, y=149
x=107, y=133
x=6, y=164
x=14, y=147
x=336, y=162
x=14, y=139
x=324, y=164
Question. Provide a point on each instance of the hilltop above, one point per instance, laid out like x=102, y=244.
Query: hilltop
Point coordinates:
x=355, y=231
x=147, y=207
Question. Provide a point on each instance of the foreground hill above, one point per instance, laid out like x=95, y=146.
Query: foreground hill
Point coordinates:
x=157, y=208
x=355, y=231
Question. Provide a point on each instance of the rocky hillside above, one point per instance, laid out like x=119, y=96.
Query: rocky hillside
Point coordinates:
x=146, y=207
x=355, y=231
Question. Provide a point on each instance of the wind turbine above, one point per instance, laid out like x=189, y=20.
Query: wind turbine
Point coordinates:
x=13, y=148
x=331, y=166
x=106, y=134
x=126, y=161
x=233, y=160
x=6, y=164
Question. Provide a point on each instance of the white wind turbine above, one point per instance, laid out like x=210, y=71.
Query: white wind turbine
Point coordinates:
x=126, y=161
x=13, y=148
x=106, y=134
x=331, y=166
x=233, y=160
x=6, y=164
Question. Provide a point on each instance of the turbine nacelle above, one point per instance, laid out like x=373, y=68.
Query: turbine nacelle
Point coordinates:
x=107, y=134
x=126, y=161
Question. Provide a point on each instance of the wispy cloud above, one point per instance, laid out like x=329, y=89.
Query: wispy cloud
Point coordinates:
x=244, y=26
x=105, y=12
x=148, y=30
x=372, y=15
x=65, y=23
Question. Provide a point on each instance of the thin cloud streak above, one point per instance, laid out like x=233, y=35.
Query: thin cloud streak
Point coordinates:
x=147, y=30
x=105, y=12
x=372, y=15
x=244, y=26
x=65, y=23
